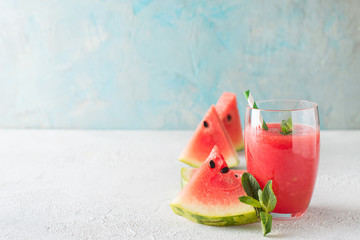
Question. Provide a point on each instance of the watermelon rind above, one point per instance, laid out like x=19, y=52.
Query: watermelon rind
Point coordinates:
x=190, y=163
x=245, y=217
x=240, y=148
x=185, y=176
x=183, y=182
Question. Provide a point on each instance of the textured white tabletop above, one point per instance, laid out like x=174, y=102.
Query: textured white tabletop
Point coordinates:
x=118, y=185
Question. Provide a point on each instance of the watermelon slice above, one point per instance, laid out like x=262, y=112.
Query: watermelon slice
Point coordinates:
x=211, y=196
x=188, y=173
x=209, y=132
x=228, y=112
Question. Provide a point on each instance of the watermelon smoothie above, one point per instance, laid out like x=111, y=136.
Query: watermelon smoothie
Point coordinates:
x=291, y=161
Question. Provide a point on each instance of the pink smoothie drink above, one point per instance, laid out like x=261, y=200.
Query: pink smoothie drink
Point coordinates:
x=291, y=161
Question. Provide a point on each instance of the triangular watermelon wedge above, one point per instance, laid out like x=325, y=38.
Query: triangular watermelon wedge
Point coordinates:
x=228, y=112
x=211, y=196
x=209, y=132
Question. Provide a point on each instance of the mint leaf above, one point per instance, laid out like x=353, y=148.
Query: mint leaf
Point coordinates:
x=250, y=201
x=268, y=198
x=286, y=126
x=260, y=200
x=266, y=222
x=264, y=201
x=250, y=185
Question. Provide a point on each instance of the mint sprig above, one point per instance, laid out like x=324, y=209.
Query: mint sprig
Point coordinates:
x=264, y=201
x=286, y=126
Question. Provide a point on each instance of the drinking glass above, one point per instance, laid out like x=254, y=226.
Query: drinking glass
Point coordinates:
x=289, y=160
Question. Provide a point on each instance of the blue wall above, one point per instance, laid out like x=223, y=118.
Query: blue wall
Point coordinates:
x=153, y=64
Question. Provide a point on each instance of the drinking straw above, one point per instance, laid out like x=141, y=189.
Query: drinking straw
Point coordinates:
x=252, y=104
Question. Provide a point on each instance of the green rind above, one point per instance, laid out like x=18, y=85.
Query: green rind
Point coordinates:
x=184, y=180
x=245, y=218
x=238, y=149
x=190, y=163
x=237, y=162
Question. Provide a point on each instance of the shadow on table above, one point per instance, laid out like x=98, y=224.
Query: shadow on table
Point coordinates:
x=317, y=220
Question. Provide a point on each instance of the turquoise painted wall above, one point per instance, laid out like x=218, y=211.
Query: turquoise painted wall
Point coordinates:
x=153, y=64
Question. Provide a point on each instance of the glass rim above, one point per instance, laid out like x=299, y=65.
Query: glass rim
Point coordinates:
x=313, y=105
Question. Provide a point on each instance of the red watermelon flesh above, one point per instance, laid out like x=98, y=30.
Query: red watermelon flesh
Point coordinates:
x=212, y=195
x=188, y=173
x=209, y=132
x=228, y=112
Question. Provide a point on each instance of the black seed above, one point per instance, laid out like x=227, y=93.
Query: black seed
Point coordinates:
x=228, y=117
x=225, y=170
x=236, y=175
x=212, y=164
x=206, y=124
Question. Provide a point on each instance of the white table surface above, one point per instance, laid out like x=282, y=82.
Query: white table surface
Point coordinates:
x=71, y=184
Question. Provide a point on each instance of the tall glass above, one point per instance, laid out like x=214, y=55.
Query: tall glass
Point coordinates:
x=290, y=160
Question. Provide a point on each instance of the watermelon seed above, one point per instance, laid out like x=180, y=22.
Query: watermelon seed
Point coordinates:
x=225, y=170
x=228, y=117
x=236, y=175
x=212, y=164
x=206, y=124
